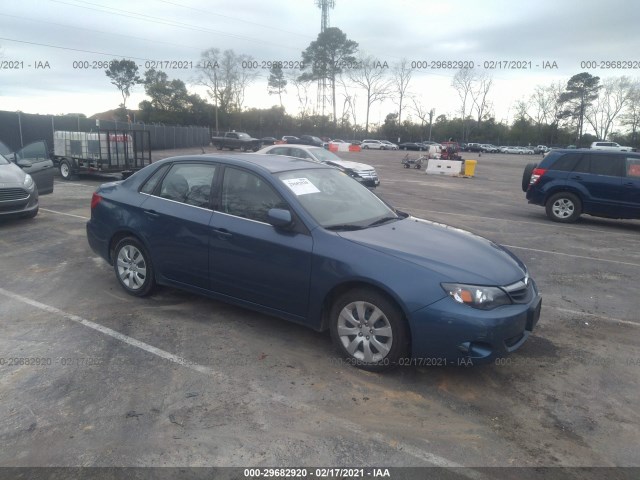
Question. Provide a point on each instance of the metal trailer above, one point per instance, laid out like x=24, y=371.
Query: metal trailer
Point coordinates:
x=104, y=151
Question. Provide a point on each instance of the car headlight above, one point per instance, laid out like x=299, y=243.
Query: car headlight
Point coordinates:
x=28, y=182
x=477, y=296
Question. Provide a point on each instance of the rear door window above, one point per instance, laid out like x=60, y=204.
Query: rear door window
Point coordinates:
x=567, y=162
x=633, y=167
x=188, y=183
x=610, y=165
x=279, y=151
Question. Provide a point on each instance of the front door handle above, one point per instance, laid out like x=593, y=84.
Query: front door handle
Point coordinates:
x=152, y=213
x=223, y=232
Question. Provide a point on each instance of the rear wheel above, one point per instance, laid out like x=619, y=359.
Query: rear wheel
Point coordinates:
x=526, y=175
x=368, y=329
x=133, y=267
x=66, y=169
x=563, y=207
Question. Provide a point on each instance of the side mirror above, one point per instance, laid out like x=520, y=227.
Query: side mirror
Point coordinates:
x=279, y=218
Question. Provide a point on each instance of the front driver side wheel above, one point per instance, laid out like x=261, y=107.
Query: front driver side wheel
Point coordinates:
x=133, y=267
x=368, y=329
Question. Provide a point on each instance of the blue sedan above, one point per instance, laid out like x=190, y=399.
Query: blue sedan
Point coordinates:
x=307, y=243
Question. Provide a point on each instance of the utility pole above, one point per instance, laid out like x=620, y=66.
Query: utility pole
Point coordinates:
x=431, y=114
x=324, y=6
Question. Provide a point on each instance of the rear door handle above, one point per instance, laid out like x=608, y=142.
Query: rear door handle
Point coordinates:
x=152, y=213
x=629, y=185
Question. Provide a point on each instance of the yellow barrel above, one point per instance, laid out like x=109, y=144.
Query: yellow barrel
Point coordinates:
x=470, y=168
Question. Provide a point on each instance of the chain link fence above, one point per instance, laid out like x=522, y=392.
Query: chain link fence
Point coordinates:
x=18, y=129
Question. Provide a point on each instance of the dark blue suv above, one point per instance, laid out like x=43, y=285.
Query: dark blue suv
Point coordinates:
x=569, y=183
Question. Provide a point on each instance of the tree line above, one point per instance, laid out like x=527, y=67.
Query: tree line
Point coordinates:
x=335, y=82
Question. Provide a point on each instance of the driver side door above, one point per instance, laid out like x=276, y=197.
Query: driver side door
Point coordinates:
x=251, y=260
x=34, y=160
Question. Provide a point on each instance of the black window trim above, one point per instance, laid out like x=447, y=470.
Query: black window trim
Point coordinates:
x=168, y=166
x=298, y=225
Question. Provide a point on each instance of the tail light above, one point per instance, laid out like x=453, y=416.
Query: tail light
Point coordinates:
x=95, y=200
x=536, y=175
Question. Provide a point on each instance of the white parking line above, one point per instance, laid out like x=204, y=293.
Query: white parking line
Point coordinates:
x=582, y=257
x=537, y=224
x=74, y=184
x=595, y=315
x=412, y=450
x=62, y=213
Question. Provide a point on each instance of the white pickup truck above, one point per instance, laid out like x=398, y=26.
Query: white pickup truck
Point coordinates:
x=611, y=146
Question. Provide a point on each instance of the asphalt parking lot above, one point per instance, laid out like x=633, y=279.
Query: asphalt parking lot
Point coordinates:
x=92, y=377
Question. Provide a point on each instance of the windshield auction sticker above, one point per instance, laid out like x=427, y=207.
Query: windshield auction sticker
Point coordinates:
x=300, y=186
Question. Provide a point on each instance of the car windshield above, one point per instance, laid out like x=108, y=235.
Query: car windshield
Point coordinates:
x=336, y=201
x=324, y=155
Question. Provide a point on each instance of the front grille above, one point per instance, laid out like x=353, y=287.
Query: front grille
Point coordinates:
x=520, y=291
x=12, y=194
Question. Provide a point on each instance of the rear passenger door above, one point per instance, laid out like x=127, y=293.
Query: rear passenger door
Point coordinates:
x=631, y=186
x=175, y=217
x=601, y=177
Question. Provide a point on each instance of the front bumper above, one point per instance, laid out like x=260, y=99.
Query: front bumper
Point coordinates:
x=451, y=332
x=17, y=202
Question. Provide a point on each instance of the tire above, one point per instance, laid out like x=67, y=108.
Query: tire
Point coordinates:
x=526, y=175
x=404, y=148
x=133, y=267
x=66, y=170
x=219, y=146
x=370, y=351
x=563, y=207
x=366, y=147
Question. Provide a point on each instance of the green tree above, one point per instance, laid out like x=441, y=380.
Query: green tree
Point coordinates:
x=171, y=102
x=582, y=90
x=277, y=83
x=326, y=57
x=124, y=75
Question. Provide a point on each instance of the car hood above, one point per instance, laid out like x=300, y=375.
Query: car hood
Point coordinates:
x=355, y=166
x=11, y=175
x=458, y=255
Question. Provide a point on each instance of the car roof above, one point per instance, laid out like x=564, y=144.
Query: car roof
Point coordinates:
x=257, y=161
x=301, y=146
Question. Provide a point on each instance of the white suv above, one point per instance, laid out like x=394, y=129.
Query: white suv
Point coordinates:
x=375, y=144
x=611, y=146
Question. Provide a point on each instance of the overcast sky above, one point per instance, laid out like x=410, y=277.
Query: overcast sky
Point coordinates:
x=61, y=32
